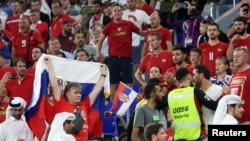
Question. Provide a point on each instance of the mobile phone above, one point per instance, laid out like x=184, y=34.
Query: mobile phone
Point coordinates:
x=181, y=5
x=12, y=76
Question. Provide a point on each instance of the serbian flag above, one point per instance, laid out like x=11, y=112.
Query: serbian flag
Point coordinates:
x=41, y=106
x=123, y=99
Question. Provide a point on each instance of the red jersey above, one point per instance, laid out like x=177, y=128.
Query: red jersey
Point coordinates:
x=3, y=107
x=210, y=53
x=43, y=28
x=64, y=106
x=21, y=89
x=7, y=69
x=12, y=26
x=242, y=43
x=20, y=42
x=147, y=8
x=120, y=37
x=165, y=35
x=239, y=85
x=56, y=27
x=164, y=61
x=173, y=70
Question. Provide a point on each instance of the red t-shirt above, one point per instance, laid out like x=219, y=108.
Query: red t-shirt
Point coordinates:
x=64, y=106
x=56, y=27
x=164, y=60
x=12, y=26
x=120, y=38
x=210, y=53
x=7, y=69
x=43, y=29
x=239, y=85
x=21, y=89
x=3, y=107
x=165, y=35
x=148, y=9
x=173, y=70
x=20, y=42
x=242, y=43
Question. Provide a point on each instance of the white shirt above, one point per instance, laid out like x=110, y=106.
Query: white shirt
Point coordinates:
x=12, y=129
x=138, y=17
x=214, y=92
x=57, y=132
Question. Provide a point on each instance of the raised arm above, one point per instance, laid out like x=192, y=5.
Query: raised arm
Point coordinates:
x=99, y=85
x=52, y=77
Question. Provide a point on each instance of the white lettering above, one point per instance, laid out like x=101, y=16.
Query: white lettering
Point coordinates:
x=216, y=132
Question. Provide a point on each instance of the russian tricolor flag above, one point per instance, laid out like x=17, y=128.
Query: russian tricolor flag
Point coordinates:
x=85, y=73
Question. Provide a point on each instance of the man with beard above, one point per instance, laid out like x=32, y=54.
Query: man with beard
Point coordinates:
x=80, y=44
x=149, y=112
x=241, y=38
x=202, y=81
x=66, y=37
x=61, y=127
x=213, y=48
x=98, y=18
x=15, y=128
x=185, y=105
x=178, y=55
x=21, y=84
x=36, y=54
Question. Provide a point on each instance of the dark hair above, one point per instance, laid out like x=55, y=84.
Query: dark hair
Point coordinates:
x=179, y=47
x=204, y=70
x=152, y=128
x=41, y=49
x=99, y=2
x=69, y=86
x=197, y=50
x=97, y=138
x=67, y=121
x=36, y=1
x=35, y=11
x=157, y=35
x=82, y=50
x=214, y=24
x=225, y=61
x=57, y=1
x=19, y=60
x=60, y=53
x=241, y=19
x=158, y=68
x=150, y=87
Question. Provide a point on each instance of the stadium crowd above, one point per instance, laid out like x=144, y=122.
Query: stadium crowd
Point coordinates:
x=191, y=74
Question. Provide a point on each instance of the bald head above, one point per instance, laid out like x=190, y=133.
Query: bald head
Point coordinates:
x=155, y=20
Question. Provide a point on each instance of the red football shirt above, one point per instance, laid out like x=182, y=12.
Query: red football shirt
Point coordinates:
x=210, y=53
x=165, y=35
x=21, y=89
x=20, y=42
x=56, y=27
x=120, y=37
x=239, y=85
x=164, y=61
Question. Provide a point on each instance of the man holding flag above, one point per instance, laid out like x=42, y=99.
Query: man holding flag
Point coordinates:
x=72, y=97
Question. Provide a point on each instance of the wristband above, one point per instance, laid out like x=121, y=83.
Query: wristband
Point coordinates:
x=103, y=75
